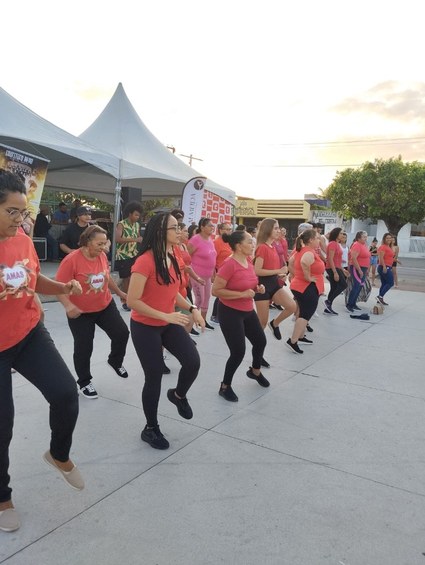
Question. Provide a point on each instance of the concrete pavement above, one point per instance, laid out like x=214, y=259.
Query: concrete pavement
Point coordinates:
x=324, y=467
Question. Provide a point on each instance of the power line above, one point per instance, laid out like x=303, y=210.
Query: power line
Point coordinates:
x=377, y=141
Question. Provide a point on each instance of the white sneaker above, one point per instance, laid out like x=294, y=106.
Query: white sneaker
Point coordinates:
x=89, y=391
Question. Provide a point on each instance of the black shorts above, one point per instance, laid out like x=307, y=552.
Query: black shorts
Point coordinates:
x=271, y=284
x=123, y=266
x=307, y=301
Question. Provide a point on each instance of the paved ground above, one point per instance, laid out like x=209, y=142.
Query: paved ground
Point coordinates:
x=324, y=467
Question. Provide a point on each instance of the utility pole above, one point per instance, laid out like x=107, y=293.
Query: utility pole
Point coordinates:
x=190, y=157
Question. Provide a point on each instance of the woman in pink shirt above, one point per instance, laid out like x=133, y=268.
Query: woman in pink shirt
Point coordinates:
x=334, y=270
x=201, y=248
x=385, y=267
x=236, y=285
x=359, y=266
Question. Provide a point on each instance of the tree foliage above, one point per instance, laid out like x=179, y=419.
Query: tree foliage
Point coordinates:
x=387, y=190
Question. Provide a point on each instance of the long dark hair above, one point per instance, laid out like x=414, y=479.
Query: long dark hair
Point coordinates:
x=334, y=234
x=155, y=240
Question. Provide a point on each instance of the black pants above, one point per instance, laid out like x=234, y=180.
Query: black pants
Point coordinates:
x=148, y=342
x=38, y=360
x=237, y=325
x=337, y=287
x=83, y=328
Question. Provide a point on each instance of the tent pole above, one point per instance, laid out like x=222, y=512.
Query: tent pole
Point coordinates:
x=117, y=210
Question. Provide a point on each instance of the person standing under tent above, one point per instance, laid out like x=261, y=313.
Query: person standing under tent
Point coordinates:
x=127, y=238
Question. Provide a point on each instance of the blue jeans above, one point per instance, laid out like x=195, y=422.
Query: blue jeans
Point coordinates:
x=357, y=285
x=38, y=360
x=387, y=279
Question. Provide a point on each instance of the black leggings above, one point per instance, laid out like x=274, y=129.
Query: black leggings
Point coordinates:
x=337, y=287
x=38, y=360
x=148, y=342
x=237, y=325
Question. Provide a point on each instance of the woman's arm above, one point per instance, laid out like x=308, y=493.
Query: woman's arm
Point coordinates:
x=381, y=261
x=219, y=289
x=260, y=272
x=354, y=255
x=112, y=285
x=306, y=261
x=44, y=285
x=331, y=255
x=193, y=275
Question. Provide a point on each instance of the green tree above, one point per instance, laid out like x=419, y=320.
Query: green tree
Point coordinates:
x=389, y=190
x=150, y=207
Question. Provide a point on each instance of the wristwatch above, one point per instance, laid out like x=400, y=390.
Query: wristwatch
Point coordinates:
x=192, y=308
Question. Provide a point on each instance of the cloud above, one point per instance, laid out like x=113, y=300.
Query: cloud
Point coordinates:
x=390, y=100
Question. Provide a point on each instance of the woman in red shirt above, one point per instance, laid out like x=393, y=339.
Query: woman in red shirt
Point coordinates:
x=359, y=265
x=272, y=275
x=26, y=346
x=153, y=295
x=307, y=284
x=334, y=269
x=385, y=267
x=94, y=307
x=236, y=285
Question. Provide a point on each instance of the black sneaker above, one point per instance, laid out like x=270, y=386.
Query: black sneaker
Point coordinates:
x=125, y=307
x=309, y=328
x=89, y=391
x=261, y=379
x=120, y=371
x=278, y=307
x=165, y=370
x=305, y=340
x=265, y=364
x=183, y=406
x=208, y=326
x=349, y=309
x=330, y=310
x=275, y=330
x=228, y=394
x=154, y=438
x=381, y=301
x=355, y=307
x=194, y=332
x=293, y=347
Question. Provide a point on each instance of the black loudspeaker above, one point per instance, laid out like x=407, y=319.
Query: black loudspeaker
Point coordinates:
x=40, y=245
x=130, y=194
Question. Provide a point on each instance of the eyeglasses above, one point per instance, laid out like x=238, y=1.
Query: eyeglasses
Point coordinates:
x=175, y=228
x=14, y=213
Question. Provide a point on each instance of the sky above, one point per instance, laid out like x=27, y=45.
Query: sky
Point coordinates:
x=275, y=97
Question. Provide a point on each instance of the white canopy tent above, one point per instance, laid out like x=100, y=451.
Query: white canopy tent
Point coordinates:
x=120, y=131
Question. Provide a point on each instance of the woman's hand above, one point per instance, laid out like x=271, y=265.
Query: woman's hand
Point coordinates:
x=336, y=277
x=177, y=318
x=73, y=287
x=198, y=319
x=201, y=281
x=249, y=293
x=122, y=295
x=73, y=311
x=261, y=289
